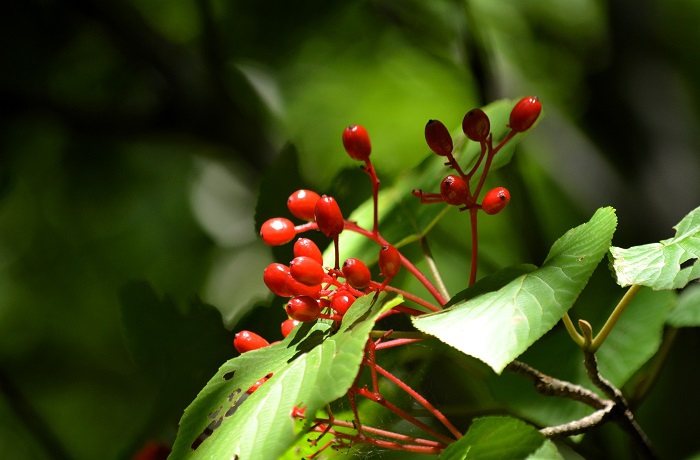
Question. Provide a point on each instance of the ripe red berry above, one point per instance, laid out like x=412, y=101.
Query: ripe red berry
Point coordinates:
x=438, y=137
x=476, y=125
x=495, y=200
x=256, y=385
x=288, y=326
x=525, y=113
x=306, y=247
x=356, y=273
x=306, y=270
x=454, y=190
x=302, y=204
x=275, y=278
x=277, y=231
x=248, y=341
x=298, y=288
x=342, y=301
x=303, y=308
x=389, y=261
x=356, y=142
x=328, y=216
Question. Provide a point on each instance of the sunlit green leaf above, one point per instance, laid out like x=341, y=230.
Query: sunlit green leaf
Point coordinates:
x=500, y=438
x=498, y=326
x=310, y=368
x=662, y=265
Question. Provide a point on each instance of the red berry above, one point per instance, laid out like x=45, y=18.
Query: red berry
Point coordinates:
x=275, y=278
x=356, y=142
x=256, y=385
x=356, y=273
x=438, y=138
x=476, y=125
x=302, y=204
x=328, y=216
x=495, y=200
x=288, y=326
x=152, y=450
x=342, y=301
x=306, y=270
x=303, y=308
x=298, y=288
x=454, y=190
x=525, y=113
x=389, y=261
x=248, y=341
x=306, y=247
x=277, y=231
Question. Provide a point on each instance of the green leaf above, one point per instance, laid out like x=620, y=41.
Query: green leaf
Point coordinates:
x=403, y=219
x=662, y=265
x=310, y=368
x=687, y=311
x=499, y=438
x=498, y=326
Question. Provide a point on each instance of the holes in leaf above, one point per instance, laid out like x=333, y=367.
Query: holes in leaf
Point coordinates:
x=229, y=375
x=688, y=263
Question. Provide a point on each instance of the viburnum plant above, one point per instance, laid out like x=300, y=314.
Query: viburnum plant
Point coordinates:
x=321, y=387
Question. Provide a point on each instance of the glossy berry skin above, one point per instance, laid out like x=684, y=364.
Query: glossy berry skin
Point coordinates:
x=306, y=247
x=306, y=270
x=297, y=288
x=356, y=142
x=302, y=204
x=525, y=113
x=438, y=138
x=356, y=273
x=303, y=308
x=247, y=341
x=288, y=326
x=328, y=216
x=342, y=301
x=277, y=231
x=495, y=200
x=275, y=278
x=454, y=190
x=389, y=261
x=256, y=385
x=476, y=125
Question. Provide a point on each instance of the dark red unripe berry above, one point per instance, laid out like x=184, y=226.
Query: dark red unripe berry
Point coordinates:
x=306, y=247
x=438, y=138
x=476, y=125
x=275, y=278
x=356, y=142
x=356, y=273
x=389, y=261
x=298, y=288
x=525, y=113
x=328, y=216
x=342, y=301
x=495, y=200
x=302, y=204
x=303, y=308
x=248, y=341
x=306, y=270
x=454, y=190
x=277, y=231
x=288, y=326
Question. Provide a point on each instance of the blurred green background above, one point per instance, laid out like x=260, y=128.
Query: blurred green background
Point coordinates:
x=135, y=136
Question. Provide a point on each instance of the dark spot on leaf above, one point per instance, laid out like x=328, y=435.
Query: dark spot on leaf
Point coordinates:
x=229, y=375
x=215, y=414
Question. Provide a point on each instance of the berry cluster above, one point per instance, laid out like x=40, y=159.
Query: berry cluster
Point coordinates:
x=316, y=289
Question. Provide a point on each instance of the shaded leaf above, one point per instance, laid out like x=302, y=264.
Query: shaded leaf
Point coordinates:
x=499, y=438
x=498, y=326
x=310, y=368
x=669, y=264
x=687, y=312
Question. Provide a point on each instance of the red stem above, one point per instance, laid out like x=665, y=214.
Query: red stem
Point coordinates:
x=369, y=169
x=385, y=434
x=406, y=295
